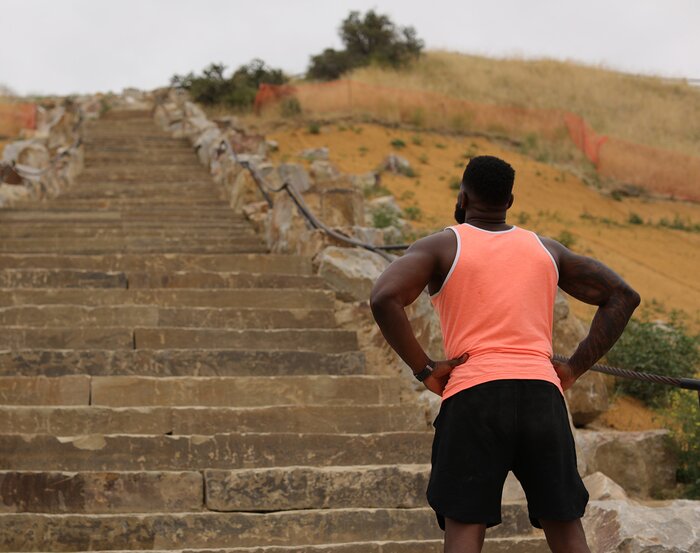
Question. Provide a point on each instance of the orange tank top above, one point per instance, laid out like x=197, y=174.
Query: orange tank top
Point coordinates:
x=497, y=304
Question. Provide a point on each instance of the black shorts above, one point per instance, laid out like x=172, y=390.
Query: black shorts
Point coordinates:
x=485, y=431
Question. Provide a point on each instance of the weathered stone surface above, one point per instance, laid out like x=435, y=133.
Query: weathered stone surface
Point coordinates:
x=315, y=153
x=241, y=298
x=121, y=391
x=66, y=338
x=342, y=207
x=351, y=272
x=387, y=203
x=205, y=530
x=43, y=278
x=309, y=419
x=295, y=175
x=396, y=164
x=588, y=397
x=178, y=362
x=643, y=463
x=220, y=451
x=628, y=527
x=42, y=390
x=100, y=492
x=316, y=488
x=324, y=341
x=324, y=172
x=600, y=487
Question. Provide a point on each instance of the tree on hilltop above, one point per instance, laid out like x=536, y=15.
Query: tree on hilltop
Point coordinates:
x=373, y=38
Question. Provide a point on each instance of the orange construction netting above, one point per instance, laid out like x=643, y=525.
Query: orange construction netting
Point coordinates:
x=16, y=116
x=656, y=170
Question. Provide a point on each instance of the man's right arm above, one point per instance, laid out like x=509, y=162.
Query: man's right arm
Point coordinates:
x=590, y=281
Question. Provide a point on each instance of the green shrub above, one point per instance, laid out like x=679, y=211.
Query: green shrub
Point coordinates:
x=373, y=38
x=237, y=91
x=314, y=128
x=661, y=348
x=290, y=107
x=398, y=143
x=523, y=217
x=635, y=219
x=417, y=140
x=566, y=238
x=363, y=150
x=685, y=416
x=383, y=217
x=423, y=158
x=413, y=213
x=455, y=184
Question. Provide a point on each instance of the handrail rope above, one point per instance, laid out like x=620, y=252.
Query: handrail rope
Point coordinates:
x=265, y=188
x=29, y=172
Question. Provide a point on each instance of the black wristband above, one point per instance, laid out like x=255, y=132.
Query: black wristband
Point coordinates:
x=426, y=372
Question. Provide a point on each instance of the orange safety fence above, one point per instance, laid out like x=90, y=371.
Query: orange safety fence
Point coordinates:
x=652, y=168
x=16, y=116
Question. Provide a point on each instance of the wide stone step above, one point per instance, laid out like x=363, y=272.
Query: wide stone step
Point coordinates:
x=66, y=338
x=178, y=297
x=223, y=279
x=517, y=544
x=253, y=263
x=178, y=362
x=321, y=340
x=61, y=278
x=219, y=451
x=81, y=337
x=83, y=532
x=42, y=390
x=310, y=419
x=142, y=245
x=34, y=216
x=100, y=492
x=132, y=233
x=139, y=315
x=340, y=487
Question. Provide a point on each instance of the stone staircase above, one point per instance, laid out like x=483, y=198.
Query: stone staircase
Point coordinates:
x=167, y=384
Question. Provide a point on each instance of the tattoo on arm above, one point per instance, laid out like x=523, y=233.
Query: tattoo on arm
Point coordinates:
x=594, y=283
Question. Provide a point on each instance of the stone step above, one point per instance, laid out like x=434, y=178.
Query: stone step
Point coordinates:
x=266, y=298
x=161, y=205
x=77, y=337
x=518, y=544
x=96, y=246
x=31, y=215
x=66, y=338
x=105, y=191
x=168, y=232
x=205, y=391
x=85, y=532
x=36, y=452
x=253, y=263
x=187, y=317
x=178, y=362
x=61, y=278
x=321, y=340
x=309, y=419
x=86, y=225
x=101, y=492
x=211, y=279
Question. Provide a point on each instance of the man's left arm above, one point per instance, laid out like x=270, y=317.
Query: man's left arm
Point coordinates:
x=399, y=286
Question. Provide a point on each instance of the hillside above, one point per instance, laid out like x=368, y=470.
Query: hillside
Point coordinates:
x=661, y=262
x=643, y=110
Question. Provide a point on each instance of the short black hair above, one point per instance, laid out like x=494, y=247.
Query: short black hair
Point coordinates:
x=490, y=178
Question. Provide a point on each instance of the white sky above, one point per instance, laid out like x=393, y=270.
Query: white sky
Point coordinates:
x=67, y=46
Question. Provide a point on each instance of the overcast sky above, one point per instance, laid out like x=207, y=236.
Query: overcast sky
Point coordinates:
x=67, y=46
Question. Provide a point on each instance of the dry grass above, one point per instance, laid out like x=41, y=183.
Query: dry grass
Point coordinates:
x=644, y=110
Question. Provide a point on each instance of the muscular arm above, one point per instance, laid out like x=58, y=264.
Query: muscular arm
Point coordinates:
x=592, y=282
x=399, y=286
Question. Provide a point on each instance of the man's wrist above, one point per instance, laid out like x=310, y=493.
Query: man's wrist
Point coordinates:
x=425, y=371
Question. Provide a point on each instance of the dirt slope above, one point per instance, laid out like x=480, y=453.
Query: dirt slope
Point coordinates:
x=661, y=263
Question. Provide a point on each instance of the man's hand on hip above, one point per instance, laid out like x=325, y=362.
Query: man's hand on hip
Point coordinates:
x=437, y=380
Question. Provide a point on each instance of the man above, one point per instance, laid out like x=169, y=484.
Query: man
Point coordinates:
x=493, y=286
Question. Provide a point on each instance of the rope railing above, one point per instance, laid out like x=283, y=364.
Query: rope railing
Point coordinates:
x=266, y=190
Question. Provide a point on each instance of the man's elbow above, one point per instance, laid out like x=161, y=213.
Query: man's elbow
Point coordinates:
x=380, y=302
x=631, y=298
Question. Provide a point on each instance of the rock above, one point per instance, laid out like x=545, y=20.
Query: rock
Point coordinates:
x=628, y=527
x=285, y=225
x=207, y=144
x=324, y=171
x=341, y=207
x=366, y=181
x=600, y=487
x=387, y=203
x=296, y=175
x=643, y=463
x=588, y=397
x=27, y=152
x=272, y=145
x=313, y=154
x=396, y=164
x=350, y=272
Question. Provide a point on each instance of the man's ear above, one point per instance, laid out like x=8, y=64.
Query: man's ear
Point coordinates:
x=510, y=202
x=462, y=199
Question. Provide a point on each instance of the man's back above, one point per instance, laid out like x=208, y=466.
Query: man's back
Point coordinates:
x=497, y=304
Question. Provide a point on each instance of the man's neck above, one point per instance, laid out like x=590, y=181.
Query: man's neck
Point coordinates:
x=496, y=221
